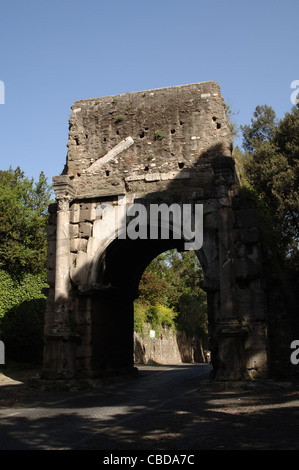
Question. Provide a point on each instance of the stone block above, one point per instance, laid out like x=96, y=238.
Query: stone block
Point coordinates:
x=250, y=235
x=210, y=221
x=51, y=262
x=75, y=213
x=78, y=244
x=74, y=230
x=79, y=273
x=247, y=269
x=153, y=177
x=93, y=246
x=258, y=284
x=251, y=305
x=246, y=218
x=240, y=250
x=85, y=229
x=105, y=228
x=51, y=232
x=256, y=349
x=51, y=249
x=51, y=276
x=52, y=219
x=87, y=213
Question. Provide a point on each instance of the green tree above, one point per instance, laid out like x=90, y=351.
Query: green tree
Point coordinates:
x=23, y=222
x=22, y=307
x=231, y=123
x=193, y=317
x=23, y=254
x=160, y=315
x=262, y=129
x=170, y=293
x=271, y=166
x=270, y=170
x=153, y=289
x=188, y=298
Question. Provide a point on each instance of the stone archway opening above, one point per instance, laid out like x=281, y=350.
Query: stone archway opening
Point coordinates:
x=119, y=272
x=170, y=312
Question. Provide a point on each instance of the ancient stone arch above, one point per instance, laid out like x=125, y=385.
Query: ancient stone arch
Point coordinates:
x=164, y=146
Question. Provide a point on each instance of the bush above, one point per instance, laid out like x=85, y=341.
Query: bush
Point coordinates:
x=22, y=331
x=22, y=308
x=157, y=316
x=139, y=317
x=160, y=315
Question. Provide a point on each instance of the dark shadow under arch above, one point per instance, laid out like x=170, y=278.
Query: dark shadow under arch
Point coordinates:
x=126, y=260
x=119, y=273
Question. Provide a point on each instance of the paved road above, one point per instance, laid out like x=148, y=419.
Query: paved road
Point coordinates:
x=144, y=413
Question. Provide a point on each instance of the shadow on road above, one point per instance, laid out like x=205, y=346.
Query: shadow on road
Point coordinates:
x=167, y=408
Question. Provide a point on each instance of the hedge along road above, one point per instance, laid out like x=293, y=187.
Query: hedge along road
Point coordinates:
x=149, y=411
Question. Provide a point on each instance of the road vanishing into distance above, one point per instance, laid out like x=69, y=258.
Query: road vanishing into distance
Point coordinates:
x=153, y=411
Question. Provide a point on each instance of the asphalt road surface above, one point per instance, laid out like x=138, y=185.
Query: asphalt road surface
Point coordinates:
x=153, y=411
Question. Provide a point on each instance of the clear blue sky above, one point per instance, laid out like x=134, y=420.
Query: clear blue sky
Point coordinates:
x=56, y=52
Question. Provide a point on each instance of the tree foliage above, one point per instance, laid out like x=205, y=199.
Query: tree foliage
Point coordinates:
x=262, y=129
x=270, y=167
x=23, y=253
x=170, y=294
x=22, y=307
x=231, y=123
x=23, y=222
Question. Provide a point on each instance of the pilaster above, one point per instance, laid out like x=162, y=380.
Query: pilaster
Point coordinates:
x=59, y=356
x=229, y=353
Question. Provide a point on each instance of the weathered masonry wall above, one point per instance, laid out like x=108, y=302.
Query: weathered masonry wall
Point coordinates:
x=166, y=145
x=118, y=144
x=168, y=347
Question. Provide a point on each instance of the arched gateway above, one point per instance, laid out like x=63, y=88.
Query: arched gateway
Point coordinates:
x=130, y=159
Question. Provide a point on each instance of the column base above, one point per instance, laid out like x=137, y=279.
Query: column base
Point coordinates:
x=59, y=355
x=228, y=355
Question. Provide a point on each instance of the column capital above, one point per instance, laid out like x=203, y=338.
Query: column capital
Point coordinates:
x=63, y=188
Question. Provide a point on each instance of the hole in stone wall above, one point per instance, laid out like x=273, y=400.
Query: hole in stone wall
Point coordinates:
x=214, y=118
x=181, y=123
x=181, y=164
x=107, y=172
x=172, y=131
x=141, y=135
x=218, y=125
x=77, y=141
x=146, y=168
